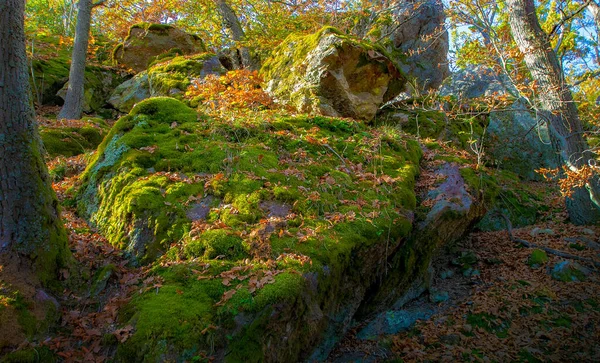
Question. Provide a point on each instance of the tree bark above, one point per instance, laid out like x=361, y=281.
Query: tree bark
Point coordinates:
x=73, y=107
x=30, y=227
x=555, y=106
x=235, y=31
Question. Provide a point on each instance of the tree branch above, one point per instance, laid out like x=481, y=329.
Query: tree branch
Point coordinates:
x=567, y=18
x=533, y=245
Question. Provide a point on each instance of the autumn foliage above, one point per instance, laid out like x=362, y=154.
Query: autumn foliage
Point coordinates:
x=239, y=89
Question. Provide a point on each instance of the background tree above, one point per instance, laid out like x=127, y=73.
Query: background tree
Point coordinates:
x=73, y=107
x=557, y=107
x=31, y=232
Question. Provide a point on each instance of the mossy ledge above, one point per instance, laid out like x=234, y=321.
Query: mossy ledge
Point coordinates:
x=316, y=203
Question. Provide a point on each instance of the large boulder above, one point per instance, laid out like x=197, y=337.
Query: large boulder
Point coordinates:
x=165, y=77
x=414, y=32
x=331, y=74
x=272, y=234
x=100, y=82
x=515, y=139
x=147, y=41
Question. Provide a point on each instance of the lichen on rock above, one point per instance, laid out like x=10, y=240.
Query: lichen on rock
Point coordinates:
x=331, y=74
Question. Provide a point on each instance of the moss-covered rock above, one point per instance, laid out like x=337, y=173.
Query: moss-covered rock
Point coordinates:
x=537, y=258
x=100, y=82
x=310, y=206
x=168, y=76
x=331, y=74
x=72, y=140
x=145, y=42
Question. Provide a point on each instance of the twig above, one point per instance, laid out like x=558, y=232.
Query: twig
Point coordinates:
x=533, y=245
x=339, y=157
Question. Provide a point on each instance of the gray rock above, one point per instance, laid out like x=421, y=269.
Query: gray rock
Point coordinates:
x=127, y=94
x=539, y=231
x=393, y=322
x=446, y=274
x=514, y=139
x=568, y=271
x=331, y=74
x=437, y=297
x=99, y=84
x=417, y=31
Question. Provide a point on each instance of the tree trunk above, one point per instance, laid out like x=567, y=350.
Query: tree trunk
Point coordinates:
x=31, y=232
x=555, y=106
x=234, y=28
x=73, y=107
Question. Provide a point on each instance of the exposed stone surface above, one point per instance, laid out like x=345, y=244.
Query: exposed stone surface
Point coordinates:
x=147, y=41
x=417, y=35
x=331, y=74
x=568, y=271
x=514, y=139
x=167, y=77
x=100, y=82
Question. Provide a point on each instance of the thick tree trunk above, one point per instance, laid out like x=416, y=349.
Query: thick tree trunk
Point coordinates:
x=556, y=106
x=73, y=107
x=234, y=28
x=31, y=231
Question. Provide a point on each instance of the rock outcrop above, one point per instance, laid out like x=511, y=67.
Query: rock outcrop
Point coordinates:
x=276, y=232
x=514, y=140
x=100, y=82
x=331, y=74
x=147, y=41
x=166, y=77
x=416, y=34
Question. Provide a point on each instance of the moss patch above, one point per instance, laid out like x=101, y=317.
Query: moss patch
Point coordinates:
x=70, y=141
x=537, y=258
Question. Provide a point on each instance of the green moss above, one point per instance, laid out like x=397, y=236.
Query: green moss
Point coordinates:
x=31, y=355
x=537, y=258
x=216, y=243
x=71, y=141
x=177, y=72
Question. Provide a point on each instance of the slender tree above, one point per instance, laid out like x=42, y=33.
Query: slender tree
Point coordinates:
x=73, y=107
x=31, y=232
x=556, y=107
x=234, y=29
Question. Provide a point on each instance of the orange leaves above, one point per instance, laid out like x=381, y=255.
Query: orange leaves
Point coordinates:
x=239, y=89
x=569, y=179
x=256, y=280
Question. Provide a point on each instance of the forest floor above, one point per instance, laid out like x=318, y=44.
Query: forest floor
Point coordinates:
x=489, y=303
